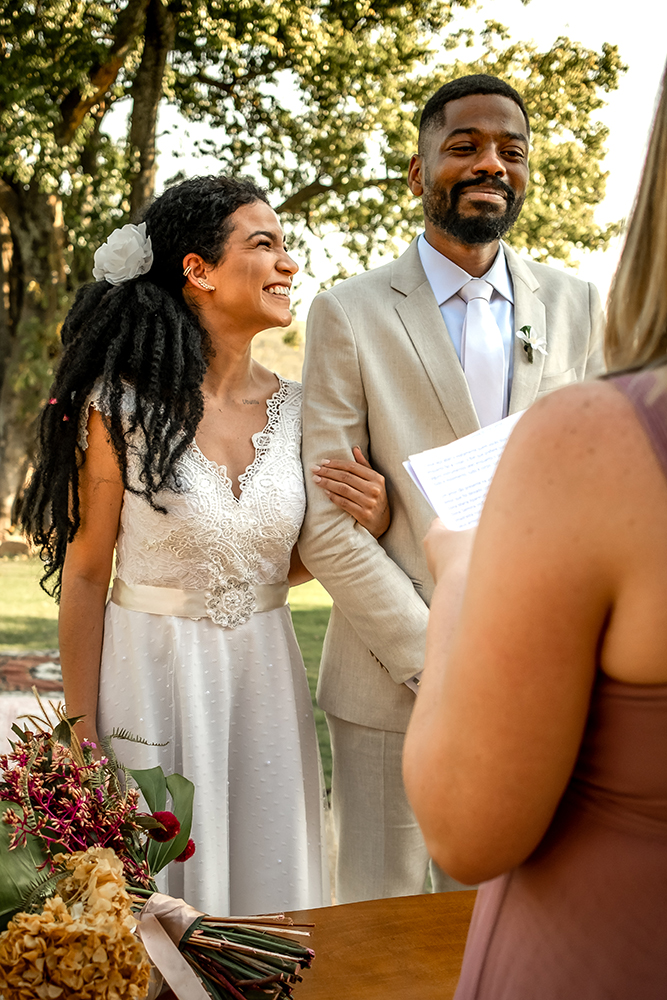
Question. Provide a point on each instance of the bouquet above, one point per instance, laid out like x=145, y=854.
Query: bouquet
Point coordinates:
x=82, y=943
x=79, y=907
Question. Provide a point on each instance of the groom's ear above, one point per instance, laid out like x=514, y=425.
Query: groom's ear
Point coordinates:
x=415, y=175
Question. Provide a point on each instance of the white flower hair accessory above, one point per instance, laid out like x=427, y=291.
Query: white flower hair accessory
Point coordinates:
x=125, y=255
x=531, y=342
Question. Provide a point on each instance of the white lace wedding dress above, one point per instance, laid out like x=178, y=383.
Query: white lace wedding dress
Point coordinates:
x=226, y=689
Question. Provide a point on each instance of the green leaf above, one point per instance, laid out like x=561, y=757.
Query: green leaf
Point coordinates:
x=18, y=867
x=149, y=823
x=63, y=733
x=43, y=885
x=153, y=786
x=182, y=794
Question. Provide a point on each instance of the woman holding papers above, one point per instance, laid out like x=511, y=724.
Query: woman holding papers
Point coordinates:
x=536, y=759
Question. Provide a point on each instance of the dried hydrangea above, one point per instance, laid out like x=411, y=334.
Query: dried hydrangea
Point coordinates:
x=82, y=945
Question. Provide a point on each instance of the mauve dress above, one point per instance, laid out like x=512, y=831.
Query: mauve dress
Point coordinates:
x=585, y=916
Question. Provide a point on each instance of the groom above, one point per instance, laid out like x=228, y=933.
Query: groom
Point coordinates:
x=410, y=356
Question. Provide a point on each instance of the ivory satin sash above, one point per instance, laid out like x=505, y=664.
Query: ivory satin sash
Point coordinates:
x=187, y=603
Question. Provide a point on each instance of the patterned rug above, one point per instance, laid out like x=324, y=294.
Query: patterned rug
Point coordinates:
x=19, y=673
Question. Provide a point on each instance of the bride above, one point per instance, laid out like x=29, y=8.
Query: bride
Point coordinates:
x=165, y=443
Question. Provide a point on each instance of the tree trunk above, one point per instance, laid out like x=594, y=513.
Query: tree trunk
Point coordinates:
x=146, y=95
x=33, y=266
x=33, y=297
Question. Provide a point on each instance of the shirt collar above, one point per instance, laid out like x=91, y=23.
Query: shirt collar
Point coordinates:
x=446, y=278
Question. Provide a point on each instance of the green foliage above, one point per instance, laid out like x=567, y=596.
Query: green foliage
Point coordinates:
x=154, y=786
x=563, y=89
x=17, y=869
x=50, y=52
x=292, y=337
x=320, y=99
x=311, y=608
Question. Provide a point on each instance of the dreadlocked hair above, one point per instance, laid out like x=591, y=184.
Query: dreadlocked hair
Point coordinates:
x=139, y=335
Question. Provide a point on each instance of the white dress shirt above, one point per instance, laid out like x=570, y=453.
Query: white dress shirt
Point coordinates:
x=446, y=278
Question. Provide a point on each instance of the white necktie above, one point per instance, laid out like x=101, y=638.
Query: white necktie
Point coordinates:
x=482, y=352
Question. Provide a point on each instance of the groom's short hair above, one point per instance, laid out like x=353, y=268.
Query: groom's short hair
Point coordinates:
x=433, y=115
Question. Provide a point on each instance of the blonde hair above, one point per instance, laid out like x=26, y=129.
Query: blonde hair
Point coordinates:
x=637, y=309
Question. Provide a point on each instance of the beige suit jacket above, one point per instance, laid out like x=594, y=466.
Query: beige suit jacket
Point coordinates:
x=381, y=372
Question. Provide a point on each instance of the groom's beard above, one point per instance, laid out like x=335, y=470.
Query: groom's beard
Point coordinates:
x=485, y=226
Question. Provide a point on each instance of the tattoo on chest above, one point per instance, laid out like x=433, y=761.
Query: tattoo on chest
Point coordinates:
x=250, y=402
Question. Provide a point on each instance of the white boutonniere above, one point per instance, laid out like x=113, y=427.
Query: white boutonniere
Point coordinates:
x=531, y=342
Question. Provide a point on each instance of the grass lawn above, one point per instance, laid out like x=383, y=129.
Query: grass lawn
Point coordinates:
x=311, y=607
x=28, y=616
x=28, y=621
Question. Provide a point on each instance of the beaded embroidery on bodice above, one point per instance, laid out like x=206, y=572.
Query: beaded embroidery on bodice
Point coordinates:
x=209, y=539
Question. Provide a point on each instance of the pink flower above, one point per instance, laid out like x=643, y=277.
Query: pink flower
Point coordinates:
x=52, y=402
x=171, y=827
x=187, y=852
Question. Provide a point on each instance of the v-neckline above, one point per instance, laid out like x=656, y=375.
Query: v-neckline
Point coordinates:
x=272, y=405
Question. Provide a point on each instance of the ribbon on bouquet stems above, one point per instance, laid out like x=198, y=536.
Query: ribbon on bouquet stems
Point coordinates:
x=161, y=925
x=231, y=955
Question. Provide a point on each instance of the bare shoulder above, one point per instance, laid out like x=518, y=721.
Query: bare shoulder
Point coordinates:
x=578, y=416
x=101, y=463
x=572, y=449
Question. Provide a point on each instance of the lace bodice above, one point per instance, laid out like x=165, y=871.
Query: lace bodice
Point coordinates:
x=210, y=540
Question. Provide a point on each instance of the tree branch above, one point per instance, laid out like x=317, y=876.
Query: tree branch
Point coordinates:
x=218, y=84
x=296, y=201
x=75, y=106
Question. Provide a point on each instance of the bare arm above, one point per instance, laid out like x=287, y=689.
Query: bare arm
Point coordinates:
x=298, y=573
x=503, y=704
x=86, y=575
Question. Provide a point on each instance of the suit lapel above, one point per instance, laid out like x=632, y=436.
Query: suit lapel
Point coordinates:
x=529, y=311
x=422, y=319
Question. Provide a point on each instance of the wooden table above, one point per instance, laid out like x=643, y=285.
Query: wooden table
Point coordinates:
x=407, y=948
x=404, y=948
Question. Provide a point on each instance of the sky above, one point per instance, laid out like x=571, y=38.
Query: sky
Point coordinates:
x=639, y=30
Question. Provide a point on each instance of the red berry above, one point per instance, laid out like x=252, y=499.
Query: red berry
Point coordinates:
x=171, y=827
x=188, y=851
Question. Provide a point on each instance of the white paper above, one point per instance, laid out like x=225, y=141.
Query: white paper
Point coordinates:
x=455, y=478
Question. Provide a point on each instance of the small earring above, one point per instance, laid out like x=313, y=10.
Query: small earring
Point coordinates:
x=205, y=285
x=187, y=270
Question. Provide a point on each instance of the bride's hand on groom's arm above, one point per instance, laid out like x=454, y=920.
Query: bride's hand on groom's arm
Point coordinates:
x=356, y=488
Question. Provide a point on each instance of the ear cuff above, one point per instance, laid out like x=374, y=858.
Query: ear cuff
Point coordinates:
x=200, y=281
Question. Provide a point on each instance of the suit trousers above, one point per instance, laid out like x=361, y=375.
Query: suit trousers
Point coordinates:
x=381, y=851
